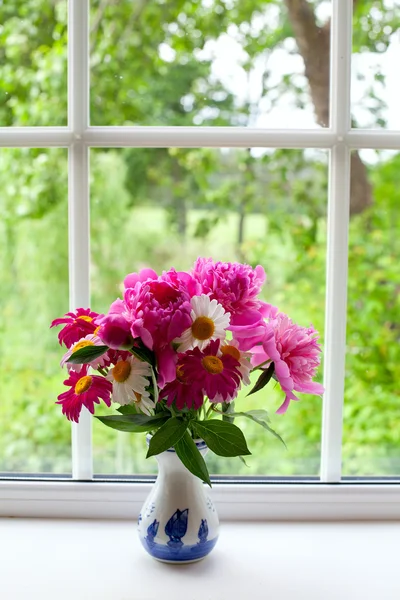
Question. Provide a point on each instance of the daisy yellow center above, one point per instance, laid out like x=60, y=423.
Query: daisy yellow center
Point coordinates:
x=86, y=318
x=213, y=364
x=231, y=350
x=203, y=328
x=83, y=384
x=138, y=398
x=121, y=371
x=180, y=374
x=82, y=344
x=96, y=331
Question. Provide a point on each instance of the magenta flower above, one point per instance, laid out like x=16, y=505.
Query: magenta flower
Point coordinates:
x=85, y=390
x=183, y=392
x=219, y=376
x=158, y=311
x=295, y=352
x=144, y=275
x=78, y=324
x=236, y=287
x=248, y=336
x=114, y=328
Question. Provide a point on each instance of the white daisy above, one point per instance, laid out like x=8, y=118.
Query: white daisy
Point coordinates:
x=232, y=347
x=144, y=403
x=89, y=340
x=129, y=379
x=209, y=322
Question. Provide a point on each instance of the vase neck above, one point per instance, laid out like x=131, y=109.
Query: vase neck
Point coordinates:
x=169, y=461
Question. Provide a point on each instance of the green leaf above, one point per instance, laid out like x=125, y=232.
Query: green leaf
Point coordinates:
x=227, y=411
x=243, y=461
x=167, y=436
x=191, y=457
x=261, y=417
x=143, y=353
x=128, y=409
x=134, y=423
x=225, y=439
x=263, y=379
x=87, y=354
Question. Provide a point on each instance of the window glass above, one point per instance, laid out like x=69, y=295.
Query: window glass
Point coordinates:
x=34, y=436
x=371, y=440
x=33, y=63
x=375, y=80
x=210, y=62
x=163, y=208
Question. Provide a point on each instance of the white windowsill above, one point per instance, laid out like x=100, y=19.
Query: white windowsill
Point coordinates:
x=103, y=560
x=258, y=502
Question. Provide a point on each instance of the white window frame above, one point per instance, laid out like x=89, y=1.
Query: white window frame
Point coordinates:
x=330, y=498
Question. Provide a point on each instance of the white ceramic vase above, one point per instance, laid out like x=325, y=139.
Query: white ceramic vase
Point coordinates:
x=178, y=522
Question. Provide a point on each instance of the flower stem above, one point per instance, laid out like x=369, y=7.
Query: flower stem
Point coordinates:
x=260, y=365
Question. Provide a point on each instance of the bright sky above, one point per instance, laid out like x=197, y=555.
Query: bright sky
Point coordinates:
x=278, y=110
x=228, y=56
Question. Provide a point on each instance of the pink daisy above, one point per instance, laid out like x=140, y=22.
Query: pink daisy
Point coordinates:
x=183, y=391
x=219, y=376
x=85, y=390
x=232, y=347
x=295, y=352
x=78, y=324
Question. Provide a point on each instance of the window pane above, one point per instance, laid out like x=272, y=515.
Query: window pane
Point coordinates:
x=213, y=62
x=34, y=436
x=371, y=431
x=33, y=63
x=376, y=47
x=162, y=208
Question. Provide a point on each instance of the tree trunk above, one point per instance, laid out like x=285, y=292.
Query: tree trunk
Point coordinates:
x=314, y=46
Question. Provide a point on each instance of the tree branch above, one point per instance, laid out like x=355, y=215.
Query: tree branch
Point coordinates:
x=314, y=46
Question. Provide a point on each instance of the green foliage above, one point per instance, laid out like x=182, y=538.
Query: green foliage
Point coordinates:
x=263, y=379
x=87, y=354
x=135, y=423
x=223, y=438
x=167, y=436
x=191, y=457
x=261, y=417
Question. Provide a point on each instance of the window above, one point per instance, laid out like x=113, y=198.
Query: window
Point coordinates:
x=208, y=101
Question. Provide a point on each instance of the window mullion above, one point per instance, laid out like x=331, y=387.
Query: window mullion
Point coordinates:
x=78, y=202
x=337, y=243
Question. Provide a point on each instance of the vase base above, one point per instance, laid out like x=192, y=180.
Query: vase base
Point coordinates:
x=179, y=562
x=183, y=554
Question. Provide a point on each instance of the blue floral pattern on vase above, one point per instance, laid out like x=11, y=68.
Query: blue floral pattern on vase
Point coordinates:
x=203, y=531
x=176, y=528
x=152, y=531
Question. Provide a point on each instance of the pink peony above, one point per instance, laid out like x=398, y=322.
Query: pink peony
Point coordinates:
x=114, y=328
x=158, y=311
x=248, y=336
x=85, y=390
x=295, y=352
x=219, y=376
x=235, y=286
x=78, y=324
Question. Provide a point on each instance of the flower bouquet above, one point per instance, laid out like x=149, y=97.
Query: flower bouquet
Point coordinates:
x=174, y=352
